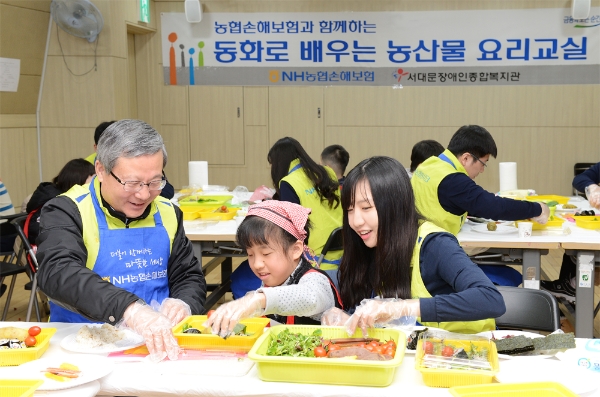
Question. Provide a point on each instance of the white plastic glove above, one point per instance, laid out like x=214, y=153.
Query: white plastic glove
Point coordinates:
x=593, y=195
x=334, y=316
x=175, y=310
x=543, y=217
x=225, y=318
x=373, y=312
x=155, y=328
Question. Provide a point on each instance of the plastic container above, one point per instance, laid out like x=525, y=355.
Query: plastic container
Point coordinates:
x=587, y=222
x=19, y=356
x=19, y=388
x=254, y=326
x=205, y=200
x=549, y=197
x=441, y=371
x=556, y=222
x=214, y=213
x=332, y=371
x=533, y=389
x=190, y=212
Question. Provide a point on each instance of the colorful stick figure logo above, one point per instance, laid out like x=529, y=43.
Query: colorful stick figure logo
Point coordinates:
x=399, y=74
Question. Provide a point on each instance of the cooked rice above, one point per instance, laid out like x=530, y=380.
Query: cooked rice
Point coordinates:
x=98, y=336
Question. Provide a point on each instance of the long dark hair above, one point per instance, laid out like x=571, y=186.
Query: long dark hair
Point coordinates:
x=75, y=172
x=385, y=269
x=286, y=150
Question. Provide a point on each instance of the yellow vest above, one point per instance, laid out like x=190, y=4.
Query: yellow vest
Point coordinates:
x=418, y=290
x=91, y=158
x=426, y=181
x=323, y=218
x=81, y=196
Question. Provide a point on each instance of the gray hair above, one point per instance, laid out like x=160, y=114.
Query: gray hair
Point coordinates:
x=128, y=138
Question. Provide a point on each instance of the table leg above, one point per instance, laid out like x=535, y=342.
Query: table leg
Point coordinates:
x=532, y=264
x=584, y=315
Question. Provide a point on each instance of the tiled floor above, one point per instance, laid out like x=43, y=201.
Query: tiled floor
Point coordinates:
x=20, y=299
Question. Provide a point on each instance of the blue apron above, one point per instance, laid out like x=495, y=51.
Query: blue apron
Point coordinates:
x=134, y=259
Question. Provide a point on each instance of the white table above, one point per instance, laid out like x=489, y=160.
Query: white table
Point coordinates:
x=172, y=379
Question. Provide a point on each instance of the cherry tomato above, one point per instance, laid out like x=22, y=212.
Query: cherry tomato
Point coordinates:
x=362, y=344
x=320, y=351
x=210, y=313
x=374, y=343
x=370, y=347
x=325, y=342
x=428, y=347
x=379, y=349
x=34, y=331
x=224, y=208
x=390, y=351
x=333, y=346
x=30, y=341
x=391, y=343
x=447, y=351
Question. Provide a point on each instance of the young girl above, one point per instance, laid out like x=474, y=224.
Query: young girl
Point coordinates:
x=292, y=290
x=413, y=267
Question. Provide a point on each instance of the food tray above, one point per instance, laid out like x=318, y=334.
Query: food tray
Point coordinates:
x=205, y=200
x=532, y=389
x=19, y=356
x=190, y=212
x=549, y=197
x=441, y=377
x=327, y=370
x=588, y=221
x=556, y=222
x=19, y=388
x=255, y=326
x=210, y=214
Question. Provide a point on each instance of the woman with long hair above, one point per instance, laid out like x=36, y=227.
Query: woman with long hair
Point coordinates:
x=398, y=265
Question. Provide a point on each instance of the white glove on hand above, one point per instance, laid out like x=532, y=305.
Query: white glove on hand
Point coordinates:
x=373, y=312
x=543, y=217
x=593, y=195
x=225, y=318
x=155, y=328
x=175, y=310
x=334, y=316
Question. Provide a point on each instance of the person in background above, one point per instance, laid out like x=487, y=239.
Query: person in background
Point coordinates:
x=8, y=233
x=167, y=192
x=299, y=179
x=336, y=158
x=292, y=291
x=421, y=151
x=446, y=192
x=399, y=266
x=564, y=286
x=75, y=172
x=110, y=249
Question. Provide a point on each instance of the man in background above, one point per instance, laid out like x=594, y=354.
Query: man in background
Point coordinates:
x=336, y=158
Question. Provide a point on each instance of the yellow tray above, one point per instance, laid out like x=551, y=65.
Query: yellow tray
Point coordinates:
x=204, y=200
x=549, y=197
x=439, y=377
x=19, y=356
x=327, y=370
x=255, y=326
x=533, y=389
x=210, y=214
x=588, y=221
x=19, y=388
x=556, y=222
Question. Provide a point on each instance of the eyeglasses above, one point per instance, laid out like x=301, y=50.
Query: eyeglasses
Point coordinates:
x=477, y=158
x=136, y=186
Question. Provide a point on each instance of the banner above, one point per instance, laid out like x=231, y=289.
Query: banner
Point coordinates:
x=409, y=48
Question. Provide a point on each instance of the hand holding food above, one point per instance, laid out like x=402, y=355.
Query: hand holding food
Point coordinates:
x=334, y=316
x=377, y=311
x=155, y=328
x=593, y=195
x=228, y=315
x=543, y=217
x=175, y=310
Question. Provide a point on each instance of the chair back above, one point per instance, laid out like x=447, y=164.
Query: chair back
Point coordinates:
x=578, y=169
x=334, y=242
x=19, y=224
x=529, y=309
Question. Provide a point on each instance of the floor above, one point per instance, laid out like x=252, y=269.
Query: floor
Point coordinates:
x=20, y=299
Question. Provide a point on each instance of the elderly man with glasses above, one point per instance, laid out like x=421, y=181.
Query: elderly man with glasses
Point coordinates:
x=445, y=190
x=115, y=252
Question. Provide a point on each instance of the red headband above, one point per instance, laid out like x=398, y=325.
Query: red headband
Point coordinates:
x=288, y=216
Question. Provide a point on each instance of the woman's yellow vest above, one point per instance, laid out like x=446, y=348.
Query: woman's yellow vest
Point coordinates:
x=426, y=181
x=418, y=290
x=81, y=196
x=323, y=218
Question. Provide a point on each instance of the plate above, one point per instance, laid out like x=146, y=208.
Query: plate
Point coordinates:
x=576, y=379
x=130, y=341
x=92, y=368
x=500, y=229
x=560, y=209
x=499, y=334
